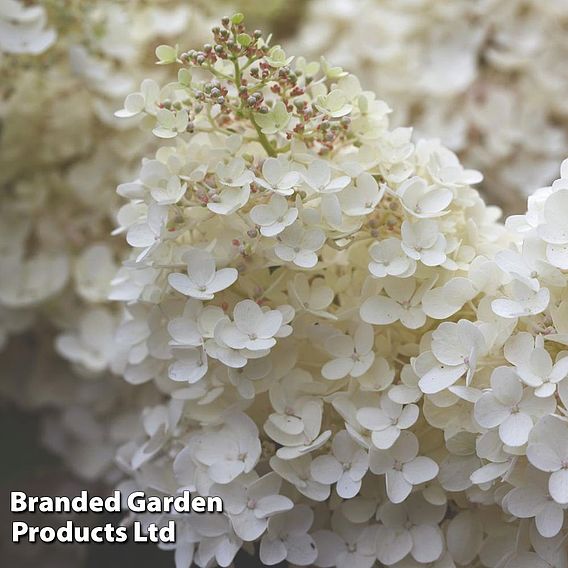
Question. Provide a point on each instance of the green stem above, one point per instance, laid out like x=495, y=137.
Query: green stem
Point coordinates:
x=237, y=72
x=216, y=73
x=262, y=138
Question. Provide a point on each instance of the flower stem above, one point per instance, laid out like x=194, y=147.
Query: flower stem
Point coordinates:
x=262, y=138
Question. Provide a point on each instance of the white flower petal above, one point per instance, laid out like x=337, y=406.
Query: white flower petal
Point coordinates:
x=558, y=486
x=398, y=488
x=543, y=457
x=427, y=543
x=420, y=470
x=326, y=469
x=440, y=378
x=515, y=429
x=489, y=412
x=549, y=520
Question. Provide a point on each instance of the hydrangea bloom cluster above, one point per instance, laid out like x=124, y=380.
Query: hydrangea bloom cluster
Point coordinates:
x=354, y=354
x=486, y=77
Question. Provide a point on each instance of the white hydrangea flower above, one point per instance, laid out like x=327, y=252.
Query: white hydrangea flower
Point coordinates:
x=203, y=280
x=402, y=467
x=313, y=297
x=319, y=178
x=455, y=350
x=523, y=301
x=402, y=303
x=245, y=378
x=164, y=187
x=28, y=281
x=275, y=120
x=347, y=544
x=252, y=329
x=159, y=424
x=346, y=466
x=444, y=301
x=510, y=407
x=334, y=104
x=229, y=200
x=273, y=217
x=297, y=420
x=299, y=245
x=277, y=177
x=533, y=500
x=422, y=201
x=234, y=174
x=230, y=451
x=538, y=371
x=92, y=344
x=298, y=473
x=548, y=451
x=195, y=325
x=287, y=538
x=147, y=99
x=363, y=198
x=94, y=270
x=529, y=266
x=354, y=354
x=190, y=365
x=388, y=421
x=554, y=229
x=422, y=241
x=146, y=233
x=22, y=28
x=389, y=259
x=251, y=502
x=410, y=528
x=170, y=123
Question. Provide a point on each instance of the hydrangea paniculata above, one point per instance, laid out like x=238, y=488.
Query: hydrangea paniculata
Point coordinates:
x=341, y=324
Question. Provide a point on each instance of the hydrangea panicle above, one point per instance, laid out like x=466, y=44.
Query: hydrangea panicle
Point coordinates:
x=341, y=324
